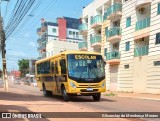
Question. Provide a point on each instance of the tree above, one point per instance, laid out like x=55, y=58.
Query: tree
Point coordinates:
x=1, y=73
x=23, y=67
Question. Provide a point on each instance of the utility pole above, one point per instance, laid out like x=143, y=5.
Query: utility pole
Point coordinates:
x=3, y=50
x=3, y=39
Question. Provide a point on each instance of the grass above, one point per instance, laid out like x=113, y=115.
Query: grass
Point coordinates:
x=110, y=94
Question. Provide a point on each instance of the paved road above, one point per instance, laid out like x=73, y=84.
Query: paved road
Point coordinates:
x=26, y=95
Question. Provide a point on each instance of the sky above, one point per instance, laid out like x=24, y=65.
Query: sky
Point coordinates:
x=23, y=44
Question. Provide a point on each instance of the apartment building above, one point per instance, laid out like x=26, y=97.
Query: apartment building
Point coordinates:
x=130, y=42
x=64, y=30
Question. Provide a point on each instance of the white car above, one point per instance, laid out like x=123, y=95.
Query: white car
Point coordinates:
x=33, y=83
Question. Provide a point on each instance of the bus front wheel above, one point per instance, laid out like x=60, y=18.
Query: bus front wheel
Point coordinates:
x=97, y=96
x=66, y=97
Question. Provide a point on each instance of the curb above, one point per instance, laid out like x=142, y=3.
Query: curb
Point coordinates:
x=144, y=98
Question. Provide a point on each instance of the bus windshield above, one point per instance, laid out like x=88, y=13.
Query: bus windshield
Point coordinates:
x=86, y=67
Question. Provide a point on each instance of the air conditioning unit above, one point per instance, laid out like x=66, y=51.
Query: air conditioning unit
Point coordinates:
x=142, y=10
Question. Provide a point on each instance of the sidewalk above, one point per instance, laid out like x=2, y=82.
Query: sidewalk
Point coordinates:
x=144, y=96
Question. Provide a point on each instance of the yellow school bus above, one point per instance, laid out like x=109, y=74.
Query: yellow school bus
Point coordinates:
x=72, y=73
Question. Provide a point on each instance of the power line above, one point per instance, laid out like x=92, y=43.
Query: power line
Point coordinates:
x=20, y=12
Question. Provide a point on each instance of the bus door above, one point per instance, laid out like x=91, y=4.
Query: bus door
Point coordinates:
x=57, y=74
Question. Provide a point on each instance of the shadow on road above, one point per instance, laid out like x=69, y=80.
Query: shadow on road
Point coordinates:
x=22, y=97
x=54, y=98
x=18, y=109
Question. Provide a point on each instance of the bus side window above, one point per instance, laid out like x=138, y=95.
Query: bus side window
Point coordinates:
x=56, y=67
x=38, y=69
x=63, y=66
x=52, y=67
x=47, y=67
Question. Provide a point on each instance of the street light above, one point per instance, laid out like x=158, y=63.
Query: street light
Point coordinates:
x=2, y=38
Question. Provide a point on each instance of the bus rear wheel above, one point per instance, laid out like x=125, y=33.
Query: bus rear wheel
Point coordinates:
x=96, y=96
x=45, y=92
x=66, y=97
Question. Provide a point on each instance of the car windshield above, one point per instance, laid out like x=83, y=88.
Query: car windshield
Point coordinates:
x=85, y=66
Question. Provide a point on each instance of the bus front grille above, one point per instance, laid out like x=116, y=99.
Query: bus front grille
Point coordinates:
x=85, y=90
x=88, y=86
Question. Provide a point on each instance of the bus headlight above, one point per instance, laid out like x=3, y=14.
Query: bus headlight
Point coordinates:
x=72, y=85
x=103, y=84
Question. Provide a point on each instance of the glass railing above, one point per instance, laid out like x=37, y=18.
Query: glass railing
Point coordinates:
x=82, y=45
x=39, y=40
x=40, y=57
x=43, y=55
x=143, y=24
x=140, y=51
x=95, y=39
x=38, y=30
x=113, y=31
x=113, y=55
x=83, y=27
x=114, y=8
x=96, y=19
x=105, y=16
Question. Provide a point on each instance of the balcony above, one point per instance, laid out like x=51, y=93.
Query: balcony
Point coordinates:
x=141, y=51
x=44, y=55
x=113, y=34
x=39, y=41
x=39, y=57
x=82, y=46
x=140, y=3
x=44, y=26
x=83, y=29
x=113, y=57
x=96, y=21
x=43, y=46
x=39, y=32
x=39, y=48
x=115, y=11
x=142, y=28
x=96, y=41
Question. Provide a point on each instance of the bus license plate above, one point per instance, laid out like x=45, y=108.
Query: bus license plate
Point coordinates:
x=89, y=89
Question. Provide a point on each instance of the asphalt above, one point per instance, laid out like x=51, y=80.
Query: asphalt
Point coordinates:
x=21, y=98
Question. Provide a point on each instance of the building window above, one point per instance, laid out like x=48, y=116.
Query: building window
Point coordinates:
x=70, y=33
x=126, y=66
x=54, y=30
x=128, y=22
x=127, y=46
x=156, y=63
x=73, y=33
x=77, y=34
x=105, y=51
x=158, y=38
x=158, y=11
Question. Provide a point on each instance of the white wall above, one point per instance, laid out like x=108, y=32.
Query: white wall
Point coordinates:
x=55, y=47
x=76, y=36
x=50, y=32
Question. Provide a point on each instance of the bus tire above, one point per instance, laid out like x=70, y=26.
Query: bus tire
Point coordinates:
x=66, y=97
x=45, y=92
x=96, y=96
